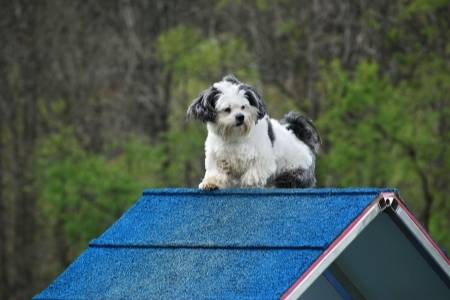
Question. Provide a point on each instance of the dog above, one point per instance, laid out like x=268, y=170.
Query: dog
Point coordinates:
x=245, y=148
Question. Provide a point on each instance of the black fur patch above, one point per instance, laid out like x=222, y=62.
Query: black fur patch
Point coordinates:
x=203, y=108
x=298, y=178
x=231, y=78
x=254, y=99
x=270, y=132
x=304, y=129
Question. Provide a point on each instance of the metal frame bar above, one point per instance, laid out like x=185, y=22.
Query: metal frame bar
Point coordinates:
x=337, y=286
x=422, y=236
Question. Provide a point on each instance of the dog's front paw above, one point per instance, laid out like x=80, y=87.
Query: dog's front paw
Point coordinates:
x=207, y=186
x=252, y=179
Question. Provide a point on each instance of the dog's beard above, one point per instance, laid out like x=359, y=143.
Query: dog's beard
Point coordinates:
x=228, y=131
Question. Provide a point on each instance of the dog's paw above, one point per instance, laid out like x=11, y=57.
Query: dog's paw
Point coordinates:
x=208, y=186
x=252, y=179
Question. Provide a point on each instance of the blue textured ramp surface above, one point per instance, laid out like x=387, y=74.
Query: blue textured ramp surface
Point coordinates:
x=274, y=218
x=230, y=244
x=178, y=273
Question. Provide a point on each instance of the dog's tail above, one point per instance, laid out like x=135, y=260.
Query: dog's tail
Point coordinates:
x=304, y=129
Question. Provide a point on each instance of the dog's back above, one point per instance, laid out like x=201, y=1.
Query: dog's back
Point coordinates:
x=304, y=129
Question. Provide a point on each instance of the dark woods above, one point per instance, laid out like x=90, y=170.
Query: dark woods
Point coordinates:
x=93, y=96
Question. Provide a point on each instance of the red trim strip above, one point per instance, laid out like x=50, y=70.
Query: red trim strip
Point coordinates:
x=424, y=232
x=329, y=249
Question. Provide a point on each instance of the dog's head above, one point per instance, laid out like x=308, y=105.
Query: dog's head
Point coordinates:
x=230, y=107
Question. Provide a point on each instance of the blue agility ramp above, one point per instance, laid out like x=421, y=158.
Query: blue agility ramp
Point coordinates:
x=250, y=244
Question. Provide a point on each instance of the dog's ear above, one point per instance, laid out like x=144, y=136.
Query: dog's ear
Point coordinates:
x=203, y=107
x=255, y=100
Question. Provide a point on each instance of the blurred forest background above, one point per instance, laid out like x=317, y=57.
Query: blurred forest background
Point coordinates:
x=93, y=97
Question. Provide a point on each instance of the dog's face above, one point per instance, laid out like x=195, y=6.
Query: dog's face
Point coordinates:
x=230, y=107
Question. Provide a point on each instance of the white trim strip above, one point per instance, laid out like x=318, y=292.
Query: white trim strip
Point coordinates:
x=424, y=239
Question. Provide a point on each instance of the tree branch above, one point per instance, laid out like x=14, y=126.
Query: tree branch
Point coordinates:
x=411, y=152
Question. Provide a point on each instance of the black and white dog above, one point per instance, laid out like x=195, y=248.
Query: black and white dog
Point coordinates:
x=245, y=148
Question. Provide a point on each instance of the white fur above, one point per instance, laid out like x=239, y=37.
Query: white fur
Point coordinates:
x=243, y=156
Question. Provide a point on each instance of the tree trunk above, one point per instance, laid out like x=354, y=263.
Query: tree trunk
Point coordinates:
x=425, y=214
x=4, y=278
x=62, y=246
x=24, y=132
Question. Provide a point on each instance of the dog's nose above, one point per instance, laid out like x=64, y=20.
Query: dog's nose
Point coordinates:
x=240, y=118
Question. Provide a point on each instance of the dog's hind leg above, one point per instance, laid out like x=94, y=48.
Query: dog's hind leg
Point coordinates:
x=298, y=178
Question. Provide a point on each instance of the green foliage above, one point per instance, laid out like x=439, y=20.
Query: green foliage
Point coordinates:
x=141, y=161
x=186, y=53
x=424, y=6
x=378, y=133
x=353, y=111
x=84, y=192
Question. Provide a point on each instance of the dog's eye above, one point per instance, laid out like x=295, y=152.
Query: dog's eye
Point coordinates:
x=227, y=110
x=243, y=107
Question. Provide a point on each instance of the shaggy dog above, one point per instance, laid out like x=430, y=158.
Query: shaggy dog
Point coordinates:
x=245, y=148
